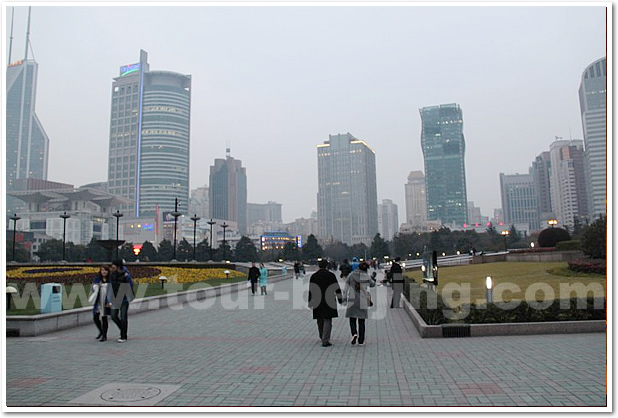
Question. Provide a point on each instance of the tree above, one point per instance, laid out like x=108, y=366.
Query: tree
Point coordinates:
x=202, y=253
x=594, y=239
x=312, y=250
x=549, y=237
x=337, y=251
x=148, y=252
x=184, y=251
x=22, y=255
x=126, y=252
x=245, y=250
x=165, y=250
x=379, y=247
x=95, y=252
x=359, y=250
x=75, y=252
x=50, y=250
x=290, y=251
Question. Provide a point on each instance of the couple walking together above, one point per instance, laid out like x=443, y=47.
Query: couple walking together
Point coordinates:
x=112, y=291
x=256, y=274
x=325, y=292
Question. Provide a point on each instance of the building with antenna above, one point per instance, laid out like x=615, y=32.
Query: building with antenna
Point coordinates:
x=149, y=139
x=27, y=144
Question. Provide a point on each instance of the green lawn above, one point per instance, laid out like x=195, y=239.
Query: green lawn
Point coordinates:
x=515, y=280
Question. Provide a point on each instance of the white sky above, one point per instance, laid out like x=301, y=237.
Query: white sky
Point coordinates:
x=275, y=81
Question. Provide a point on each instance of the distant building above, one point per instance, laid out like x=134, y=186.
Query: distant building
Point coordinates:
x=149, y=139
x=278, y=240
x=474, y=214
x=593, y=105
x=100, y=185
x=347, y=190
x=416, y=199
x=519, y=200
x=303, y=227
x=388, y=219
x=541, y=173
x=199, y=202
x=228, y=191
x=444, y=147
x=267, y=212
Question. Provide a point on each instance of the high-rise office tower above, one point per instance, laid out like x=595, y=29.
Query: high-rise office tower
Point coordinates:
x=416, y=199
x=388, y=219
x=149, y=138
x=541, y=175
x=27, y=144
x=268, y=212
x=593, y=105
x=228, y=191
x=347, y=190
x=567, y=182
x=443, y=146
x=519, y=201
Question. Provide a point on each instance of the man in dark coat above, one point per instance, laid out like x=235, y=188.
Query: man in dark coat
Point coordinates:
x=397, y=277
x=254, y=275
x=122, y=288
x=324, y=293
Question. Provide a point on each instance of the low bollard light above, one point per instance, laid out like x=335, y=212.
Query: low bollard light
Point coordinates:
x=488, y=290
x=227, y=274
x=163, y=280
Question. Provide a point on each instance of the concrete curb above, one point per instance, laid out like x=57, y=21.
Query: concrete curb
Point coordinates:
x=35, y=325
x=511, y=328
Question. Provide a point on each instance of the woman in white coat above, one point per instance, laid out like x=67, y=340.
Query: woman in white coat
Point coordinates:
x=359, y=301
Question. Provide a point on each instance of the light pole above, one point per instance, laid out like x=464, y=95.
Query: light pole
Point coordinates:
x=14, y=218
x=224, y=226
x=117, y=215
x=64, y=217
x=194, y=218
x=175, y=214
x=505, y=234
x=211, y=223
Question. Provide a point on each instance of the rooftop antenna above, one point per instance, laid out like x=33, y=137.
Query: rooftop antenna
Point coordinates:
x=570, y=134
x=27, y=35
x=227, y=149
x=11, y=37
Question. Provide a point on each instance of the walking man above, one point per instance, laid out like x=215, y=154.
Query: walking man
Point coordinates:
x=122, y=288
x=324, y=293
x=397, y=277
x=253, y=276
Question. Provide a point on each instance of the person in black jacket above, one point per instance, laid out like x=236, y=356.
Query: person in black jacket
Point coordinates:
x=122, y=288
x=324, y=293
x=254, y=275
x=345, y=268
x=397, y=277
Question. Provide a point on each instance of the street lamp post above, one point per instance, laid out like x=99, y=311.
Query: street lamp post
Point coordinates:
x=505, y=234
x=14, y=218
x=117, y=215
x=224, y=226
x=194, y=218
x=211, y=223
x=175, y=214
x=64, y=217
x=552, y=222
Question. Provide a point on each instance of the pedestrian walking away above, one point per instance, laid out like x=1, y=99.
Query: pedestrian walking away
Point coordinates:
x=122, y=295
x=358, y=301
x=397, y=276
x=263, y=279
x=253, y=276
x=296, y=270
x=101, y=297
x=324, y=293
x=345, y=268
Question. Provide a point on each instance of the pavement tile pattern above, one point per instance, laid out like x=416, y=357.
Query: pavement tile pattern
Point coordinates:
x=243, y=350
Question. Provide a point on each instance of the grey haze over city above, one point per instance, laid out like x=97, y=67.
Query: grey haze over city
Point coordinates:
x=273, y=81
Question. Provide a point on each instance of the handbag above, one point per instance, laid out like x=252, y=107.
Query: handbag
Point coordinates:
x=369, y=301
x=93, y=296
x=248, y=284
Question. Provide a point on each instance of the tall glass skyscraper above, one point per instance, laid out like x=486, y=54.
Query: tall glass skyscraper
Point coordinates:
x=347, y=190
x=27, y=144
x=593, y=105
x=228, y=191
x=443, y=146
x=149, y=138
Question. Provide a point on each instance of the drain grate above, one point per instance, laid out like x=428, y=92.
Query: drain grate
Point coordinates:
x=133, y=394
x=130, y=394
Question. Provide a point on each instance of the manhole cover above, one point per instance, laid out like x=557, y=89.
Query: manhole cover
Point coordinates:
x=130, y=394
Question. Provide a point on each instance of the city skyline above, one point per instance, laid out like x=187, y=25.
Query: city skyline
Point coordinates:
x=274, y=95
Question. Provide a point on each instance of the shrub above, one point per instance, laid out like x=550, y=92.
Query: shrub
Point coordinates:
x=551, y=236
x=572, y=245
x=594, y=240
x=598, y=266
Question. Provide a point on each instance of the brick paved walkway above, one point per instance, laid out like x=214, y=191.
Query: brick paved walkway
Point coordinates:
x=267, y=353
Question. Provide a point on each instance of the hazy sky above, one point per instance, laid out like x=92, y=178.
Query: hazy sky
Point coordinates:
x=275, y=81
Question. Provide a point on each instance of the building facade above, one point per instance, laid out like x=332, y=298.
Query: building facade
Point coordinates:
x=541, y=174
x=568, y=183
x=593, y=106
x=443, y=145
x=149, y=138
x=266, y=212
x=519, y=200
x=228, y=191
x=347, y=190
x=416, y=200
x=388, y=219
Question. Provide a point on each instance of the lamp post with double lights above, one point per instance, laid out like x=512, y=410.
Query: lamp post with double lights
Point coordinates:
x=505, y=234
x=175, y=214
x=194, y=218
x=211, y=223
x=64, y=217
x=14, y=218
x=552, y=222
x=224, y=226
x=117, y=215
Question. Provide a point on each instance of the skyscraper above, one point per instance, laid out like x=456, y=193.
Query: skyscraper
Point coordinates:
x=567, y=182
x=347, y=190
x=228, y=191
x=149, y=138
x=388, y=219
x=443, y=146
x=593, y=105
x=416, y=200
x=519, y=201
x=541, y=175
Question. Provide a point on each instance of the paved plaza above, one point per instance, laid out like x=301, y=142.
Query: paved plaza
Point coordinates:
x=243, y=350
